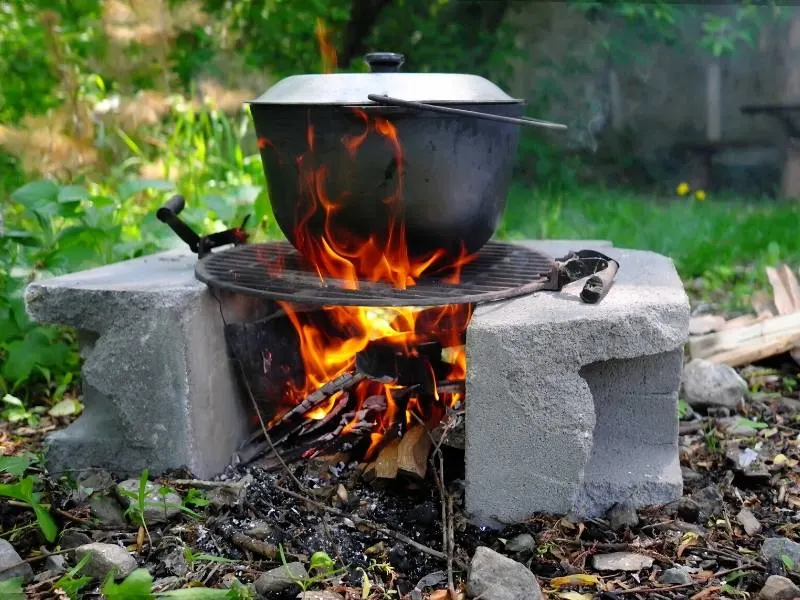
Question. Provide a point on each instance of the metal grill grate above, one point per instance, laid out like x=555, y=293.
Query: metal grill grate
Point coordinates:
x=276, y=270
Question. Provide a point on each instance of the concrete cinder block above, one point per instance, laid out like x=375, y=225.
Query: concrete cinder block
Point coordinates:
x=572, y=407
x=159, y=389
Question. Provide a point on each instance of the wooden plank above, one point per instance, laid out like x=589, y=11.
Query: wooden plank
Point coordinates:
x=737, y=322
x=705, y=346
x=762, y=303
x=755, y=351
x=780, y=295
x=791, y=284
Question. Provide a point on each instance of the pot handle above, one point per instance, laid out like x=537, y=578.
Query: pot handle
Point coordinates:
x=381, y=99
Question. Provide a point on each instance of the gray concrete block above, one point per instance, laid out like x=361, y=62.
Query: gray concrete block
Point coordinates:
x=572, y=406
x=158, y=386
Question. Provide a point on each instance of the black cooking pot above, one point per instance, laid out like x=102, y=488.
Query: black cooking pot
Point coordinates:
x=334, y=171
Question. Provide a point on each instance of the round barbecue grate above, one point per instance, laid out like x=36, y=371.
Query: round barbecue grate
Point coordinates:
x=276, y=270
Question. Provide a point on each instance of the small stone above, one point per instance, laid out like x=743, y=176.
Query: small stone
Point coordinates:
x=621, y=561
x=675, y=576
x=158, y=508
x=493, y=576
x=55, y=563
x=319, y=595
x=709, y=501
x=107, y=510
x=779, y=588
x=230, y=495
x=690, y=476
x=781, y=550
x=98, y=480
x=790, y=404
x=622, y=515
x=175, y=562
x=105, y=558
x=259, y=530
x=706, y=383
x=72, y=538
x=10, y=567
x=280, y=579
x=523, y=542
x=748, y=521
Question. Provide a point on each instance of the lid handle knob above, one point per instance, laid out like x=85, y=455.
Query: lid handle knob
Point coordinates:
x=384, y=62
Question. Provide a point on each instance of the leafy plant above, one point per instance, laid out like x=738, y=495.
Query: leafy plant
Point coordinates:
x=191, y=557
x=69, y=583
x=11, y=589
x=23, y=491
x=138, y=586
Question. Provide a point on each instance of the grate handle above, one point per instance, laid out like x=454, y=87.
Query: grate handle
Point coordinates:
x=169, y=214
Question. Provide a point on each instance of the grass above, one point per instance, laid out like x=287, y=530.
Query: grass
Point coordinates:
x=724, y=243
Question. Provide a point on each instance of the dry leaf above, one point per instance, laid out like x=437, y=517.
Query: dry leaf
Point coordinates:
x=439, y=595
x=689, y=539
x=577, y=579
x=779, y=460
x=574, y=596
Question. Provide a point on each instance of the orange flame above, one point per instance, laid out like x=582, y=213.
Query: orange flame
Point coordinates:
x=328, y=347
x=329, y=58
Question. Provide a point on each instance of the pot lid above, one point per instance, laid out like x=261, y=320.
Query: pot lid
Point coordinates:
x=386, y=79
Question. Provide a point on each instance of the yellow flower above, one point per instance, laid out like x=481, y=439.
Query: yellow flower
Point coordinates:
x=682, y=189
x=700, y=195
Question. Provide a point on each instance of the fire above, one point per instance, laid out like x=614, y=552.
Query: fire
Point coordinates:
x=327, y=50
x=331, y=340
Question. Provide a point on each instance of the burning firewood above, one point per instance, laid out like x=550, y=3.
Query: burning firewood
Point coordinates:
x=407, y=455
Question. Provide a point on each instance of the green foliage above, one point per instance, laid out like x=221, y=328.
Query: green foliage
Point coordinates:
x=70, y=583
x=11, y=589
x=23, y=491
x=138, y=586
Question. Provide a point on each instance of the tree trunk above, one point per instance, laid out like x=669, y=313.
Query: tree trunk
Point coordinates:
x=714, y=101
x=790, y=186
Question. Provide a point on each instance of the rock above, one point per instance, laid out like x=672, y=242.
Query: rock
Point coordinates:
x=703, y=324
x=96, y=480
x=493, y=576
x=621, y=561
x=280, y=579
x=690, y=476
x=175, y=562
x=790, y=404
x=748, y=521
x=675, y=576
x=231, y=494
x=523, y=542
x=55, y=563
x=107, y=510
x=319, y=595
x=158, y=508
x=259, y=530
x=622, y=515
x=106, y=558
x=9, y=563
x=775, y=549
x=72, y=538
x=779, y=588
x=708, y=502
x=706, y=383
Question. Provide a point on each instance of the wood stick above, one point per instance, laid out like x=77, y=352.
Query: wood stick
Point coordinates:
x=780, y=295
x=757, y=350
x=705, y=346
x=791, y=284
x=318, y=396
